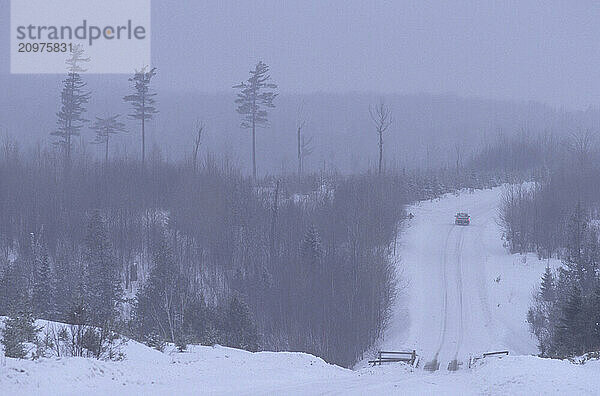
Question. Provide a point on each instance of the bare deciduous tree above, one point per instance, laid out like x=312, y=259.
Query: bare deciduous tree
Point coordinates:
x=458, y=150
x=301, y=125
x=199, y=128
x=382, y=118
x=581, y=145
x=305, y=147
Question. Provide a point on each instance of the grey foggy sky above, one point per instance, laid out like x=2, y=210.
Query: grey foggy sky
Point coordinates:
x=544, y=51
x=523, y=50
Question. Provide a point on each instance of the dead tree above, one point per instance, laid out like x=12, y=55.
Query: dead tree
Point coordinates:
x=581, y=145
x=306, y=149
x=382, y=118
x=199, y=128
x=458, y=149
x=301, y=125
x=304, y=144
x=274, y=211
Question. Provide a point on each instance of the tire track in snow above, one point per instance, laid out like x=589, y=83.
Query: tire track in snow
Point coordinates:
x=434, y=364
x=459, y=286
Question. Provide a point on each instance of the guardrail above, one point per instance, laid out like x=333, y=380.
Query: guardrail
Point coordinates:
x=498, y=354
x=409, y=357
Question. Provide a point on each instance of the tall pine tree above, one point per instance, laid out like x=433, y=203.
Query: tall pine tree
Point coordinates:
x=253, y=101
x=142, y=101
x=73, y=99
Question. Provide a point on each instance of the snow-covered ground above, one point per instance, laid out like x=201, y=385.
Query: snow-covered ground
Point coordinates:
x=465, y=296
x=219, y=370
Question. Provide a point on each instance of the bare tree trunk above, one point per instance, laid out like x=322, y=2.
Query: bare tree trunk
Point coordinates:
x=253, y=149
x=196, y=155
x=380, y=150
x=143, y=143
x=299, y=154
x=274, y=220
x=382, y=118
x=69, y=131
x=143, y=132
x=199, y=129
x=106, y=152
x=458, y=149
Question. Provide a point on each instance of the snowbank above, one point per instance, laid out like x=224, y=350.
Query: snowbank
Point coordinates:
x=219, y=370
x=212, y=370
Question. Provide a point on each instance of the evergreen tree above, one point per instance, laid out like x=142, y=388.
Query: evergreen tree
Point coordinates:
x=239, y=327
x=547, y=292
x=575, y=257
x=6, y=289
x=43, y=290
x=142, y=101
x=540, y=315
x=104, y=128
x=570, y=328
x=69, y=283
x=73, y=99
x=310, y=248
x=14, y=288
x=254, y=99
x=19, y=328
x=594, y=317
x=160, y=304
x=102, y=276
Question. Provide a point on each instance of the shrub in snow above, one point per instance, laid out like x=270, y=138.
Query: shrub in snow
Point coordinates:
x=154, y=340
x=19, y=332
x=181, y=344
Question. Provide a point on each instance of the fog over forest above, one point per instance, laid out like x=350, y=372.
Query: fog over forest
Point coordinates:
x=442, y=85
x=425, y=130
x=387, y=183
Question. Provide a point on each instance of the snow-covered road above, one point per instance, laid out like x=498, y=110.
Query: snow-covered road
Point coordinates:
x=458, y=279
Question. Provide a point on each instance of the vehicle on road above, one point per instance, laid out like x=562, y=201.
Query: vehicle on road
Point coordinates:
x=462, y=219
